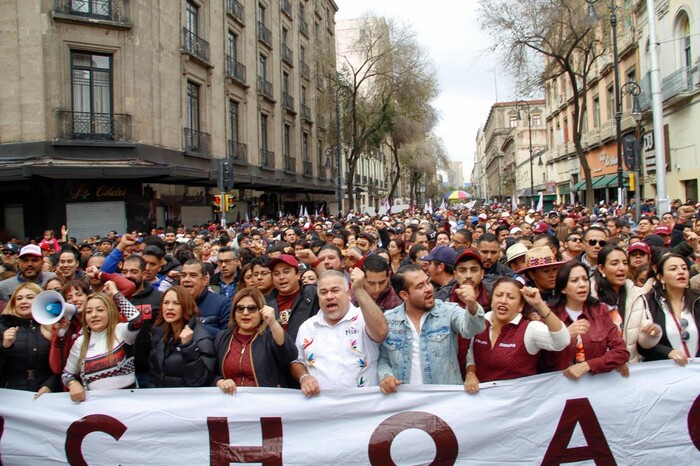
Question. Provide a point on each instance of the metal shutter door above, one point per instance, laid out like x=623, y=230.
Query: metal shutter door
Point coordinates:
x=86, y=219
x=195, y=215
x=14, y=220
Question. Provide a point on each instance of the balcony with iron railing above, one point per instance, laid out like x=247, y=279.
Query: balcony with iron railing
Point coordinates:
x=290, y=164
x=286, y=7
x=195, y=45
x=236, y=10
x=197, y=143
x=308, y=169
x=306, y=113
x=304, y=27
x=677, y=83
x=111, y=13
x=235, y=69
x=267, y=159
x=238, y=152
x=87, y=126
x=304, y=70
x=287, y=55
x=287, y=102
x=264, y=34
x=265, y=88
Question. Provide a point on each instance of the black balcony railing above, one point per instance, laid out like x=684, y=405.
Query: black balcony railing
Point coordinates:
x=89, y=126
x=286, y=7
x=264, y=34
x=267, y=159
x=238, y=152
x=108, y=10
x=308, y=168
x=236, y=9
x=287, y=102
x=290, y=164
x=306, y=113
x=195, y=45
x=304, y=70
x=287, y=55
x=304, y=27
x=264, y=87
x=235, y=69
x=197, y=142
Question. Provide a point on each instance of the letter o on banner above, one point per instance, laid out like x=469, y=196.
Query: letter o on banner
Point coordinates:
x=442, y=434
x=694, y=423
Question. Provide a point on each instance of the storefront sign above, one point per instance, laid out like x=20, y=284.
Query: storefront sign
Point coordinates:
x=84, y=192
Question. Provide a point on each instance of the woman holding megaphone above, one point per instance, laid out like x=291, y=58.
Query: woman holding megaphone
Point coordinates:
x=102, y=357
x=24, y=354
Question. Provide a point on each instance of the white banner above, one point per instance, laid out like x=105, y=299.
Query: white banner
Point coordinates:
x=650, y=418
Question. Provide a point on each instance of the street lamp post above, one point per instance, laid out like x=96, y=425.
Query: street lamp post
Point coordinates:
x=634, y=161
x=519, y=106
x=618, y=104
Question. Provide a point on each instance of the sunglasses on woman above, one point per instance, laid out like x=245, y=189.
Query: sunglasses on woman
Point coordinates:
x=685, y=335
x=252, y=309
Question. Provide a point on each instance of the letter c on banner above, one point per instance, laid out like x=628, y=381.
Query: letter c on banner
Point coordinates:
x=446, y=445
x=694, y=423
x=77, y=432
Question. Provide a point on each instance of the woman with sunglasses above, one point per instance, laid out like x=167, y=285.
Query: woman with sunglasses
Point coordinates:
x=254, y=351
x=628, y=311
x=676, y=308
x=182, y=352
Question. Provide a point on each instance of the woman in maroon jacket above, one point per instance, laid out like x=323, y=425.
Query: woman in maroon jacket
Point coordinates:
x=596, y=343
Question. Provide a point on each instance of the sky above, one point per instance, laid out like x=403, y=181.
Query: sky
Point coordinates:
x=470, y=79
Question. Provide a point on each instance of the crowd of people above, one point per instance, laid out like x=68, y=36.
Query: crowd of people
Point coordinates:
x=463, y=296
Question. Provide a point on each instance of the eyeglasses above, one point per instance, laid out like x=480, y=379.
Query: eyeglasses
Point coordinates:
x=252, y=309
x=8, y=253
x=261, y=274
x=685, y=335
x=593, y=242
x=576, y=240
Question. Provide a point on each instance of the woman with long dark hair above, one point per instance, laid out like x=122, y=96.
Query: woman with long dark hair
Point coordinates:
x=676, y=308
x=397, y=251
x=182, y=353
x=628, y=309
x=509, y=347
x=596, y=343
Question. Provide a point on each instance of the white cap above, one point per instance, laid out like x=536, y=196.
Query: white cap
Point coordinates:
x=30, y=250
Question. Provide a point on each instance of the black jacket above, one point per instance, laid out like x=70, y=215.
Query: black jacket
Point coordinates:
x=25, y=364
x=270, y=361
x=176, y=365
x=147, y=301
x=663, y=348
x=305, y=306
x=497, y=271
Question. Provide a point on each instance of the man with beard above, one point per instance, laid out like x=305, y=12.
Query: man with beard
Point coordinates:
x=428, y=329
x=30, y=263
x=489, y=250
x=323, y=361
x=147, y=300
x=170, y=239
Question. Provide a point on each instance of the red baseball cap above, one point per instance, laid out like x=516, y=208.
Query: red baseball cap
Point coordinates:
x=639, y=246
x=284, y=258
x=469, y=254
x=662, y=230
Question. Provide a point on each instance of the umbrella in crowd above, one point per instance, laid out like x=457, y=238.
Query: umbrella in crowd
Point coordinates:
x=457, y=195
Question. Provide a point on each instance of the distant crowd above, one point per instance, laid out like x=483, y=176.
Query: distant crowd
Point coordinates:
x=461, y=296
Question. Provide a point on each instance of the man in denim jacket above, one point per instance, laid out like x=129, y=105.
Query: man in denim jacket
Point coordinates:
x=421, y=347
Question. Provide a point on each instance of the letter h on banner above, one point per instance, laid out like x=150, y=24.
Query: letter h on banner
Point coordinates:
x=221, y=453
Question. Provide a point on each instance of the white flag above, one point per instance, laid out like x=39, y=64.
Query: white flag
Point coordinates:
x=247, y=219
x=306, y=213
x=443, y=205
x=514, y=202
x=301, y=210
x=540, y=204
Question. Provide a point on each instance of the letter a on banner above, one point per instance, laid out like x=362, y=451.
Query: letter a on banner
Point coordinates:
x=578, y=411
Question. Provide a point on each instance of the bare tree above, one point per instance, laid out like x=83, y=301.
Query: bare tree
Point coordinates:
x=385, y=79
x=526, y=31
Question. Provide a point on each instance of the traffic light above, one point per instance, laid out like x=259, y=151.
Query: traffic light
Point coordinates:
x=632, y=180
x=217, y=203
x=229, y=202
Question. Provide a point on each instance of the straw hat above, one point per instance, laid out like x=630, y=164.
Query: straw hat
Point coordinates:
x=539, y=257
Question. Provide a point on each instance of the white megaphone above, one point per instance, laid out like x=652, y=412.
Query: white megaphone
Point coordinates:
x=49, y=307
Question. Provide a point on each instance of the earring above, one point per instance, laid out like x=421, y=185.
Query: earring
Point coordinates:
x=602, y=274
x=663, y=286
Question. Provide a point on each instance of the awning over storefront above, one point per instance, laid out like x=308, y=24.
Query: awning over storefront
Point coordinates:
x=599, y=182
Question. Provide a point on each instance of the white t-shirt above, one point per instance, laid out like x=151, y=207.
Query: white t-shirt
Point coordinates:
x=339, y=356
x=416, y=366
